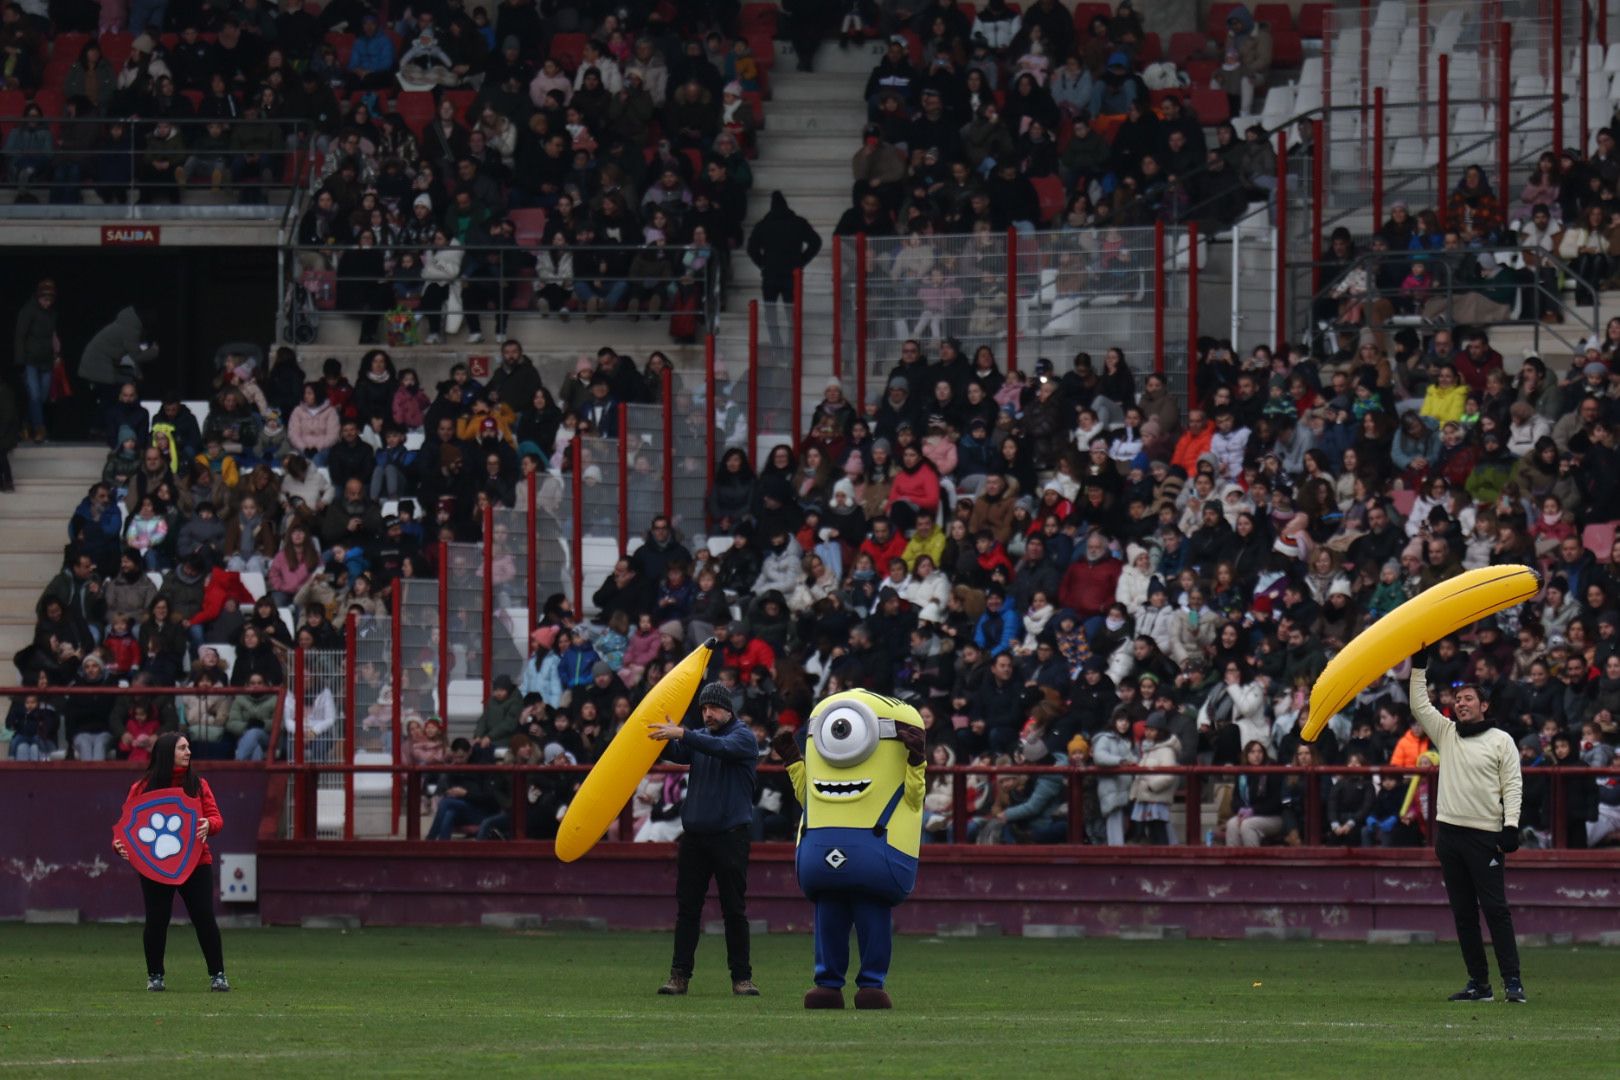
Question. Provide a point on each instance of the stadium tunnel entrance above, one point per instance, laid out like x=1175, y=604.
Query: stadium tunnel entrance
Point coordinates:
x=203, y=297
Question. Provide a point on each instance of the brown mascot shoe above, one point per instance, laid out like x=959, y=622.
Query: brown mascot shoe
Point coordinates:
x=677, y=984
x=824, y=997
x=872, y=997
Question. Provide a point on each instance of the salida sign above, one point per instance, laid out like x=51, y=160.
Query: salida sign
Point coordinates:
x=131, y=235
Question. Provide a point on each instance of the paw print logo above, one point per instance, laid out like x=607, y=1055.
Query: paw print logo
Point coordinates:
x=161, y=833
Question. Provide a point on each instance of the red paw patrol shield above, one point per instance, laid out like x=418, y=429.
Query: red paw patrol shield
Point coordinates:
x=159, y=828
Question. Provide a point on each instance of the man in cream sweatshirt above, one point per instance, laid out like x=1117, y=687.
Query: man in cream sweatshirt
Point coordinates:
x=1478, y=813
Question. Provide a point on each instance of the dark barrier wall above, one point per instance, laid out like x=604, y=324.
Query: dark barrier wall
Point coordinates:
x=62, y=856
x=1211, y=893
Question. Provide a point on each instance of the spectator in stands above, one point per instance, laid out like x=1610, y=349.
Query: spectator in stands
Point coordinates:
x=34, y=352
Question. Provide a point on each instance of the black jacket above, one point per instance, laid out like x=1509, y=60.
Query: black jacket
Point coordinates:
x=783, y=241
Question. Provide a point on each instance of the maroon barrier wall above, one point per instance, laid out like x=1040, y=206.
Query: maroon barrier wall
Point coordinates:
x=1210, y=893
x=61, y=856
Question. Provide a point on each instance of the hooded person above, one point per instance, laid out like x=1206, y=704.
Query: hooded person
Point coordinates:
x=781, y=243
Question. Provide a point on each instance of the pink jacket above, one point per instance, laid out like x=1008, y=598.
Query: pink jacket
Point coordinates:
x=314, y=430
x=285, y=576
x=942, y=452
x=409, y=407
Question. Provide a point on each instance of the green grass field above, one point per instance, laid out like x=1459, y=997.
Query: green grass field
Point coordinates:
x=481, y=1002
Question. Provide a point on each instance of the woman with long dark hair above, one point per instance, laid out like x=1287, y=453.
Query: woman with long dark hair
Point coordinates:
x=171, y=767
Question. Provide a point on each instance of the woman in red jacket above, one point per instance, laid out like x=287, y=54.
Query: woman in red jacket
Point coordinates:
x=171, y=767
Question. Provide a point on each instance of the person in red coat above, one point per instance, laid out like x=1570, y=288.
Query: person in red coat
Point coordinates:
x=885, y=544
x=171, y=767
x=1088, y=585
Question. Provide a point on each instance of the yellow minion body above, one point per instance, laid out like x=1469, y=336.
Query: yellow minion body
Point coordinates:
x=853, y=766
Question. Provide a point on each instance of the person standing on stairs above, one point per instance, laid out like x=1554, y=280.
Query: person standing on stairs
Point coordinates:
x=782, y=242
x=34, y=351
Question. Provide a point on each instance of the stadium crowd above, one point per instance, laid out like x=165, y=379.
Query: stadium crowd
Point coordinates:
x=1059, y=566
x=616, y=144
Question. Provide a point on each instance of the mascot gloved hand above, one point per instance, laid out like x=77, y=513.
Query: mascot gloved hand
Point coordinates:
x=860, y=781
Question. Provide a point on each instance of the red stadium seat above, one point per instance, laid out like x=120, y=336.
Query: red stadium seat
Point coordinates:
x=1185, y=44
x=56, y=71
x=756, y=107
x=566, y=50
x=68, y=46
x=1311, y=17
x=168, y=41
x=416, y=108
x=50, y=101
x=116, y=48
x=1049, y=189
x=759, y=15
x=914, y=48
x=344, y=44
x=1084, y=13
x=1210, y=106
x=1403, y=500
x=1286, y=50
x=1215, y=24
x=1158, y=97
x=1200, y=72
x=694, y=160
x=12, y=102
x=1276, y=16
x=1599, y=539
x=193, y=96
x=1151, y=52
x=462, y=100
x=530, y=225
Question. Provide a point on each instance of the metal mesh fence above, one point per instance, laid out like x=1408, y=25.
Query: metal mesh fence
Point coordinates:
x=463, y=626
x=1418, y=53
x=326, y=734
x=419, y=647
x=509, y=617
x=1082, y=290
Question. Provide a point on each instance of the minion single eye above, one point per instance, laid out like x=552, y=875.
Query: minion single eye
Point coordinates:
x=845, y=735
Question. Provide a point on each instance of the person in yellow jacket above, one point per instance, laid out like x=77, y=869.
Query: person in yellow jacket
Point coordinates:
x=1478, y=814
x=860, y=779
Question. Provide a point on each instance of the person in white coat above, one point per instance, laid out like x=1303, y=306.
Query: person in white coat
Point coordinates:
x=1132, y=590
x=1113, y=748
x=1157, y=619
x=441, y=269
x=926, y=589
x=1228, y=444
x=1237, y=702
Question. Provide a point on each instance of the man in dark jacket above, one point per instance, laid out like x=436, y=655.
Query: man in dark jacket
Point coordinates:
x=118, y=354
x=781, y=243
x=999, y=703
x=516, y=380
x=715, y=816
x=349, y=458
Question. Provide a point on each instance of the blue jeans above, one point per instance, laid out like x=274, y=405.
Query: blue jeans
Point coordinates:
x=250, y=746
x=501, y=823
x=37, y=381
x=611, y=296
x=452, y=814
x=28, y=748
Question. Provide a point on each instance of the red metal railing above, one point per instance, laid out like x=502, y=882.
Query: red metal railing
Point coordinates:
x=860, y=323
x=1282, y=236
x=1189, y=795
x=1192, y=316
x=1160, y=275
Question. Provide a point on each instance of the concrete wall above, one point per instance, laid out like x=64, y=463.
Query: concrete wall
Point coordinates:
x=57, y=851
x=1210, y=893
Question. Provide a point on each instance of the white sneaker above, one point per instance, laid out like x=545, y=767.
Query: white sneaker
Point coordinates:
x=433, y=339
x=500, y=339
x=475, y=339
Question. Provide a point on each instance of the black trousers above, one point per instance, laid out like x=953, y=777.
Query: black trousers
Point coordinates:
x=198, y=895
x=724, y=858
x=1472, y=867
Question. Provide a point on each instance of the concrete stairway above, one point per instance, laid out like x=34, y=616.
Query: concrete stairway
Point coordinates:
x=51, y=480
x=813, y=126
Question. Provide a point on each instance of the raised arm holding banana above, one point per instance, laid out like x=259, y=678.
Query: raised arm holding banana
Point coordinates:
x=1478, y=815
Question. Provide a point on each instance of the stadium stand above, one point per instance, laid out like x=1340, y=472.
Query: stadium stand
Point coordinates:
x=998, y=485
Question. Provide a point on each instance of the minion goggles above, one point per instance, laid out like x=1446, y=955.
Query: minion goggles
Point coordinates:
x=849, y=732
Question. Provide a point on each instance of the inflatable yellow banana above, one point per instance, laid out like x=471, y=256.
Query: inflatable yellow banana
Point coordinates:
x=1431, y=758
x=609, y=785
x=1424, y=619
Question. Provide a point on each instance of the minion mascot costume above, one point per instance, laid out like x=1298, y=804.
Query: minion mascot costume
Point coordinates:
x=860, y=781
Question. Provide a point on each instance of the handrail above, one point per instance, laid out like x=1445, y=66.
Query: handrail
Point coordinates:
x=1369, y=260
